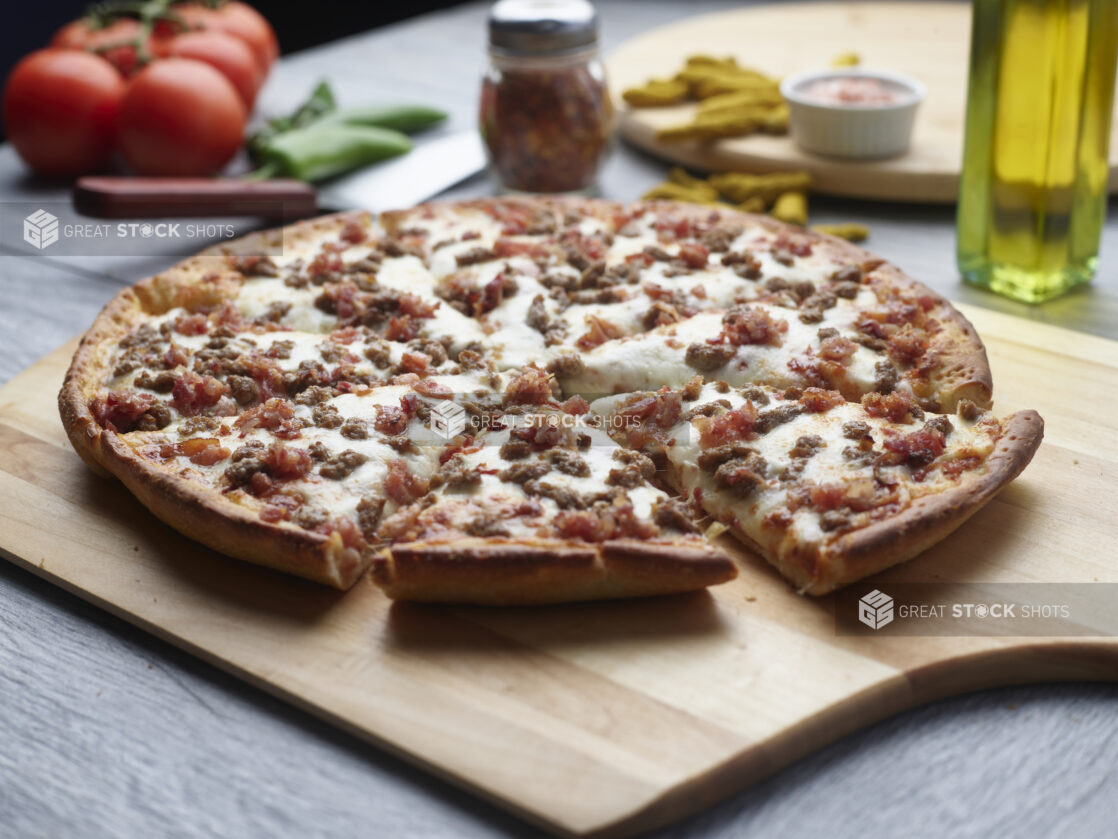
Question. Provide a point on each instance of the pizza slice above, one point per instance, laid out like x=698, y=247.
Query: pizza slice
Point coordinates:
x=828, y=491
x=544, y=510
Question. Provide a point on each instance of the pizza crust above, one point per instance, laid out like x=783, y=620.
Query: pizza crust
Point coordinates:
x=520, y=573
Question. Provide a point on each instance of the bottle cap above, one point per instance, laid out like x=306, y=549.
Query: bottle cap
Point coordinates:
x=534, y=27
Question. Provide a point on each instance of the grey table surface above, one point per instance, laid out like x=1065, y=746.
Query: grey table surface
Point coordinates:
x=107, y=732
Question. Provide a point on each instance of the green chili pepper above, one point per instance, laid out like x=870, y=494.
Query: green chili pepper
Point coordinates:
x=405, y=118
x=324, y=151
x=320, y=103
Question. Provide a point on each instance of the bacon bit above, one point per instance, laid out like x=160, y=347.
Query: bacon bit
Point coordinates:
x=837, y=348
x=415, y=362
x=276, y=415
x=287, y=462
x=325, y=265
x=204, y=451
x=505, y=248
x=412, y=305
x=120, y=412
x=793, y=244
x=752, y=325
x=494, y=293
x=175, y=356
x=959, y=464
x=409, y=404
x=694, y=255
x=192, y=324
x=230, y=318
x=872, y=326
x=272, y=513
x=192, y=393
x=347, y=529
x=267, y=374
x=728, y=427
x=539, y=435
x=643, y=257
x=660, y=410
x=390, y=420
x=817, y=400
x=462, y=445
x=700, y=292
x=576, y=405
x=917, y=449
x=404, y=380
x=678, y=228
x=592, y=247
x=598, y=525
x=354, y=233
x=620, y=220
x=346, y=335
x=433, y=389
x=599, y=332
x=401, y=485
x=895, y=406
x=341, y=300
x=401, y=329
x=657, y=291
x=826, y=497
x=532, y=387
x=280, y=506
x=909, y=343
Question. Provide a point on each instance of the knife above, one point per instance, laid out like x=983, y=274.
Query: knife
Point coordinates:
x=425, y=171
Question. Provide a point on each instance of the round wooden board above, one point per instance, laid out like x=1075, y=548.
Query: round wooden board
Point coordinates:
x=927, y=40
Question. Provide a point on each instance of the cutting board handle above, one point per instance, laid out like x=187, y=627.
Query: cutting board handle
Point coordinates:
x=120, y=197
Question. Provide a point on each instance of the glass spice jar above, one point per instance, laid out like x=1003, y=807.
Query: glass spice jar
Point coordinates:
x=546, y=115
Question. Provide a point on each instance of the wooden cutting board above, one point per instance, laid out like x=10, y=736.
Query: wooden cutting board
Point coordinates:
x=603, y=718
x=930, y=41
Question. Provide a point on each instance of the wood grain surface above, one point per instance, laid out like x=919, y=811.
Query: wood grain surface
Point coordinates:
x=927, y=40
x=605, y=718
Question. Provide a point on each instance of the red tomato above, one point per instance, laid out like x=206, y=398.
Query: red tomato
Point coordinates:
x=249, y=25
x=237, y=19
x=225, y=53
x=60, y=111
x=180, y=117
x=111, y=43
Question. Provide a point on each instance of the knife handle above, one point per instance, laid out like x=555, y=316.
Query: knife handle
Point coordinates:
x=120, y=197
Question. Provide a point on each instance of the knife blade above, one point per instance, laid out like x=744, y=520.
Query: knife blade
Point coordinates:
x=403, y=181
x=431, y=167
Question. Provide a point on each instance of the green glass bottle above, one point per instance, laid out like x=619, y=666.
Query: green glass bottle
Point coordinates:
x=1032, y=195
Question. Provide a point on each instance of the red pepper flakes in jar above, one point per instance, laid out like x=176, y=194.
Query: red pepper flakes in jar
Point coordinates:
x=546, y=116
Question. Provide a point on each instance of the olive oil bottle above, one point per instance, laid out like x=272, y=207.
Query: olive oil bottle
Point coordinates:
x=1032, y=196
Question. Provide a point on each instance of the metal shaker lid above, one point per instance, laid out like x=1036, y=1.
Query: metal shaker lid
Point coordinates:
x=532, y=27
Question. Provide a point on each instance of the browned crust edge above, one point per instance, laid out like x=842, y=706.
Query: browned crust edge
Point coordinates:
x=523, y=573
x=927, y=521
x=196, y=511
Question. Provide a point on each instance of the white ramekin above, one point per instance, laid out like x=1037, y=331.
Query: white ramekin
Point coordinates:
x=852, y=131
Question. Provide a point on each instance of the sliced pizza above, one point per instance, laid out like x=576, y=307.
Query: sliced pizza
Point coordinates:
x=827, y=490
x=545, y=509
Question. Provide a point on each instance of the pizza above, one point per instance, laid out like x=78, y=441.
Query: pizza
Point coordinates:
x=540, y=400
